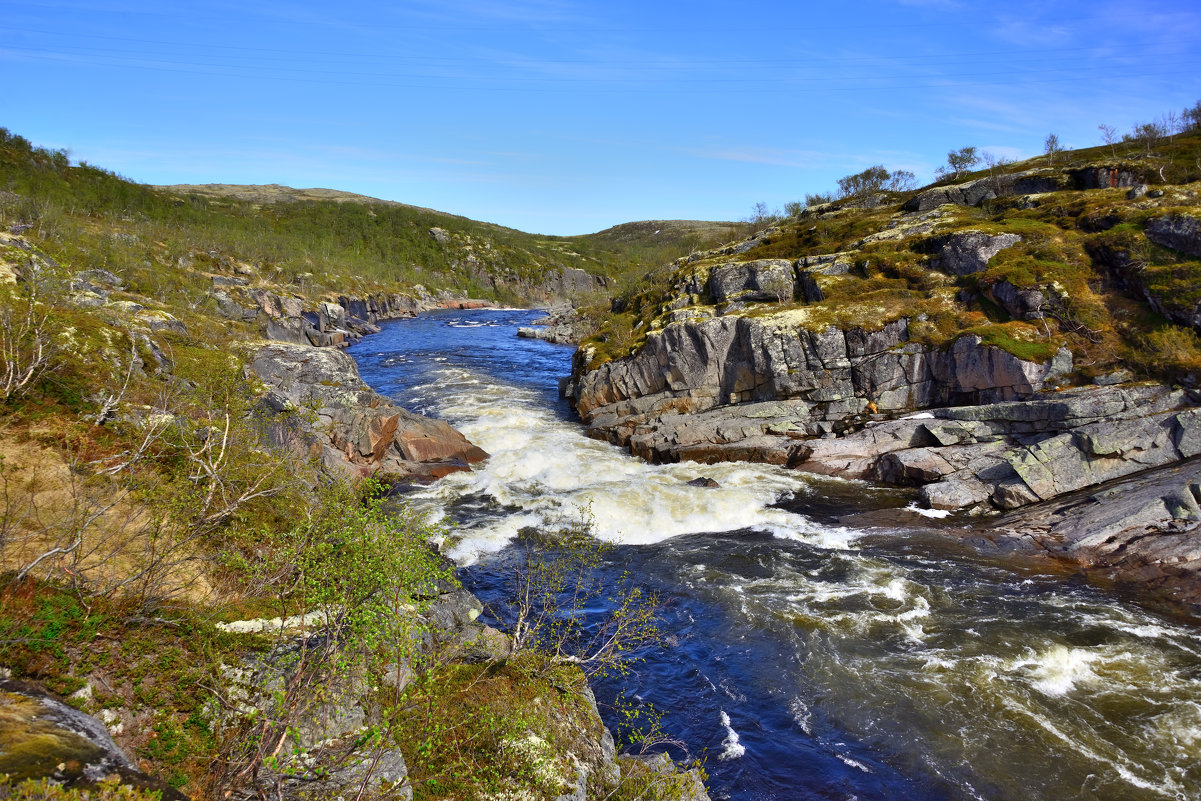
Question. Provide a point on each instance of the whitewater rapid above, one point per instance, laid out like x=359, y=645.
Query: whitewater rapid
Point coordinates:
x=545, y=475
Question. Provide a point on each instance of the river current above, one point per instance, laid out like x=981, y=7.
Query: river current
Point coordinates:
x=807, y=658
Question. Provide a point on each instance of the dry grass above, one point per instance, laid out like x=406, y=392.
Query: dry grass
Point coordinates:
x=89, y=530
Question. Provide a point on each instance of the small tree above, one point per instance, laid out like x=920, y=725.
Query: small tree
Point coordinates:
x=1052, y=147
x=761, y=216
x=553, y=598
x=1110, y=135
x=993, y=163
x=870, y=180
x=1147, y=134
x=901, y=181
x=27, y=323
x=1192, y=117
x=959, y=162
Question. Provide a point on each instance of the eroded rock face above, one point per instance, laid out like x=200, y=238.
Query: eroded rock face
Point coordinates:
x=1180, y=232
x=693, y=367
x=1031, y=182
x=1020, y=303
x=1142, y=530
x=357, y=432
x=569, y=282
x=967, y=252
x=762, y=280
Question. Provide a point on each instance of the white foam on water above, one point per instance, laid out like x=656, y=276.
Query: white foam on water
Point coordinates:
x=852, y=763
x=892, y=599
x=897, y=590
x=1114, y=761
x=937, y=514
x=1059, y=669
x=556, y=477
x=1181, y=726
x=731, y=748
x=801, y=715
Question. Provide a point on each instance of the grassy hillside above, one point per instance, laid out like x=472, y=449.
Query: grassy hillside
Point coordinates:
x=1098, y=284
x=144, y=502
x=311, y=238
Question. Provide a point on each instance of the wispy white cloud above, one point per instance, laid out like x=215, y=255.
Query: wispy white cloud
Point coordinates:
x=988, y=125
x=762, y=155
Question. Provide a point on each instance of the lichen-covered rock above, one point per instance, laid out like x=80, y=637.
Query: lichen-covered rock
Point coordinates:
x=763, y=280
x=1180, y=232
x=357, y=431
x=967, y=252
x=42, y=737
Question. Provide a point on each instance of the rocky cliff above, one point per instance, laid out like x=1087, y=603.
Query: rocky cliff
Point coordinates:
x=996, y=343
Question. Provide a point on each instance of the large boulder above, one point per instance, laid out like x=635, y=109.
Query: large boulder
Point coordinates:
x=1180, y=232
x=967, y=252
x=972, y=193
x=762, y=280
x=356, y=432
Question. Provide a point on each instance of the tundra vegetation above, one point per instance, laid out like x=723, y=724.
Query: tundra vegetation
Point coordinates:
x=145, y=512
x=1111, y=293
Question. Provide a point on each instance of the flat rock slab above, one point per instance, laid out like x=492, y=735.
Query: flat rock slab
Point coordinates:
x=1141, y=531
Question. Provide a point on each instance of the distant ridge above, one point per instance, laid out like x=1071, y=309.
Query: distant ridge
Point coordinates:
x=663, y=231
x=644, y=232
x=278, y=193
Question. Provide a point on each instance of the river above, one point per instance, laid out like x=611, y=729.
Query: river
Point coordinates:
x=807, y=658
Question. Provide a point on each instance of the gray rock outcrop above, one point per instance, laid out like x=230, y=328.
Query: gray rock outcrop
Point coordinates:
x=356, y=431
x=1143, y=530
x=1180, y=232
x=762, y=280
x=833, y=375
x=560, y=326
x=1030, y=182
x=569, y=283
x=966, y=252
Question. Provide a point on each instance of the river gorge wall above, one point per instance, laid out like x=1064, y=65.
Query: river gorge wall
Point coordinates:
x=967, y=342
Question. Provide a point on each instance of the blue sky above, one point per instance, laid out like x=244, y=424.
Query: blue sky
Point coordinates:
x=565, y=117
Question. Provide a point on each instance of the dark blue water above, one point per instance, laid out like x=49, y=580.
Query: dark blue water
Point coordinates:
x=410, y=354
x=883, y=664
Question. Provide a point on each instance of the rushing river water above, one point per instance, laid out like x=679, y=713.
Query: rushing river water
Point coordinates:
x=808, y=659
